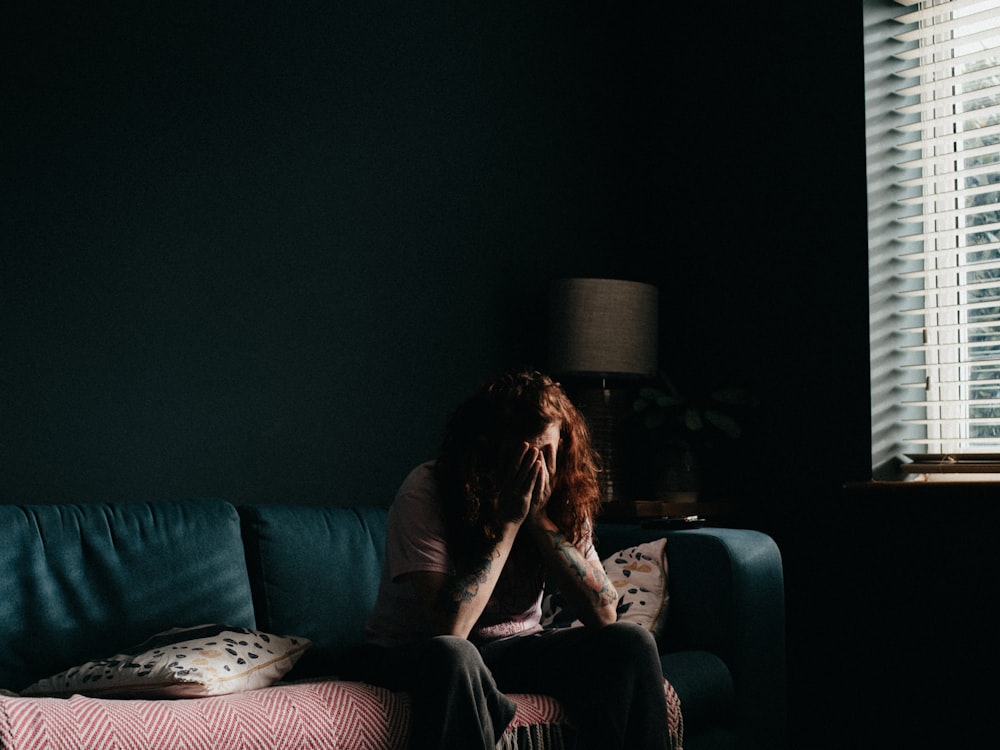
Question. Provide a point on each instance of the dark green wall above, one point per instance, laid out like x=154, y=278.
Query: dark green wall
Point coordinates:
x=259, y=252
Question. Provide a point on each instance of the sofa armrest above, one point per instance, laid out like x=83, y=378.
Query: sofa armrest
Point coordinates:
x=727, y=597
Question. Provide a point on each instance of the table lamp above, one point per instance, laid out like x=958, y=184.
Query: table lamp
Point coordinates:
x=602, y=332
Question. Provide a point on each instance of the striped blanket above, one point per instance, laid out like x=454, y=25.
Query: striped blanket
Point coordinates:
x=318, y=714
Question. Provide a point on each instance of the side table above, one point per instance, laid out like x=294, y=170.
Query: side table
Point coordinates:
x=638, y=511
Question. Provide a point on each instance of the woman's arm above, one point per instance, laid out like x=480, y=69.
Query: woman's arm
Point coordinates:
x=583, y=583
x=453, y=603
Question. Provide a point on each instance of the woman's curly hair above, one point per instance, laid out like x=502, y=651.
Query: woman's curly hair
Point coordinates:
x=517, y=405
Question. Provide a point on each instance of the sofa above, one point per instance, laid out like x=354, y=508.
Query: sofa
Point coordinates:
x=91, y=593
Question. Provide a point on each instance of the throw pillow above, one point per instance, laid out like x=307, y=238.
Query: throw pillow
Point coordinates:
x=639, y=574
x=182, y=663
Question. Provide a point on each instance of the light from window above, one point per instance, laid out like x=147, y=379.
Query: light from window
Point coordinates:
x=933, y=105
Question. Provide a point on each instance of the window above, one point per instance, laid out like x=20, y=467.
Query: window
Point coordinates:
x=932, y=83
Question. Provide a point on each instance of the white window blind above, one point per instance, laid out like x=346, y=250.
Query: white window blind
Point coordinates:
x=934, y=225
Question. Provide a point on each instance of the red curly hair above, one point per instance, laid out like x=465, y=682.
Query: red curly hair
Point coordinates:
x=518, y=405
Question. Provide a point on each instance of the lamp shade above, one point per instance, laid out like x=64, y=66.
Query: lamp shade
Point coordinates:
x=603, y=327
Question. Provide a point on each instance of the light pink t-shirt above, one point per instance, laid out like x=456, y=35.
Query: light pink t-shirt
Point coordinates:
x=415, y=541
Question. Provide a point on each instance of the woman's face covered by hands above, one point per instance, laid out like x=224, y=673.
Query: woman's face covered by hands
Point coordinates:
x=528, y=469
x=547, y=445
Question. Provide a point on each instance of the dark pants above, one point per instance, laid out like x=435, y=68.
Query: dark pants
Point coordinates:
x=608, y=680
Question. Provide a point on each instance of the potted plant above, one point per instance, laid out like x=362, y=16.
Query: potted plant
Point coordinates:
x=675, y=435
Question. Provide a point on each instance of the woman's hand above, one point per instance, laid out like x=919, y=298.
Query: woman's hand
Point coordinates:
x=525, y=487
x=541, y=490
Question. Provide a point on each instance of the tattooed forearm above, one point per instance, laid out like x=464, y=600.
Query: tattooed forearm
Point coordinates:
x=592, y=575
x=606, y=593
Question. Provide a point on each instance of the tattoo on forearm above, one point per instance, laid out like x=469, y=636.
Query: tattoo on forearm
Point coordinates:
x=596, y=580
x=606, y=593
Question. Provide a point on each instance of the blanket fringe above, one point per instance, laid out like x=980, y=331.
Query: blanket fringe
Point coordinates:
x=535, y=737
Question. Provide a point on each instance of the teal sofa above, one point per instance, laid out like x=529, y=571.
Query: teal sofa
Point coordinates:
x=82, y=581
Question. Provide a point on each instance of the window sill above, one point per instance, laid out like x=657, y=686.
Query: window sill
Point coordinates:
x=954, y=476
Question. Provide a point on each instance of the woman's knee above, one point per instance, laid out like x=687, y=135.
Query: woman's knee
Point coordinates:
x=451, y=653
x=628, y=638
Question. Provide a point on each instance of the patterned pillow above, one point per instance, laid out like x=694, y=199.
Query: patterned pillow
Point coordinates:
x=182, y=663
x=640, y=576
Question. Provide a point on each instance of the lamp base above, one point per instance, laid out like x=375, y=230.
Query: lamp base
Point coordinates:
x=605, y=408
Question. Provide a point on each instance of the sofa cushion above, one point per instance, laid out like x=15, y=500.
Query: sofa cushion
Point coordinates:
x=182, y=662
x=80, y=580
x=315, y=572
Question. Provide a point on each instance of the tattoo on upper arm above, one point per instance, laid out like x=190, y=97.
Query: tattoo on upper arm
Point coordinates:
x=465, y=587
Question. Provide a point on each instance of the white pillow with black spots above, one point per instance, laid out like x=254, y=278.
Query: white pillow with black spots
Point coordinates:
x=639, y=575
x=182, y=663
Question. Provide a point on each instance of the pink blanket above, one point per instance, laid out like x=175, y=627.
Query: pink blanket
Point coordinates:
x=321, y=714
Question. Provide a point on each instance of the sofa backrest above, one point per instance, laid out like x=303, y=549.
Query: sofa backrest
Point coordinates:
x=314, y=572
x=80, y=582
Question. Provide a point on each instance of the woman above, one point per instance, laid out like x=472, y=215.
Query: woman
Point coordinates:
x=471, y=540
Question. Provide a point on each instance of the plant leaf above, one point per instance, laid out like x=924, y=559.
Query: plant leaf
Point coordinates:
x=724, y=422
x=665, y=401
x=692, y=419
